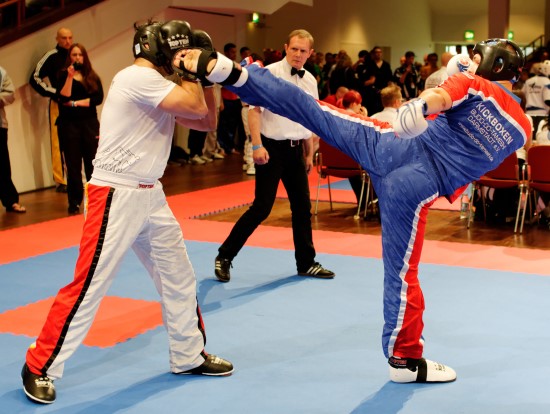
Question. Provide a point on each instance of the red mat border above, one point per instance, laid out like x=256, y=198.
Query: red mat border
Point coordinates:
x=21, y=243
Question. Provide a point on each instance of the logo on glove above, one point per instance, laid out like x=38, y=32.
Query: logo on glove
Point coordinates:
x=178, y=41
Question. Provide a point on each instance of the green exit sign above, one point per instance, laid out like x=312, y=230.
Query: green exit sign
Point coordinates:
x=469, y=35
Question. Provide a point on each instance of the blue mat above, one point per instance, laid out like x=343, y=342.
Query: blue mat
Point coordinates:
x=338, y=185
x=300, y=345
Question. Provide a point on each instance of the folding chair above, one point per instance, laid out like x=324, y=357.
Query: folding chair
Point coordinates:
x=333, y=162
x=537, y=175
x=506, y=175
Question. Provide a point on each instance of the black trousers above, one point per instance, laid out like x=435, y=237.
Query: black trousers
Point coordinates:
x=8, y=193
x=230, y=126
x=195, y=142
x=78, y=139
x=286, y=164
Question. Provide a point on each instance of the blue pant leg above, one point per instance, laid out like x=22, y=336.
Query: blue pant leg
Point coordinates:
x=405, y=195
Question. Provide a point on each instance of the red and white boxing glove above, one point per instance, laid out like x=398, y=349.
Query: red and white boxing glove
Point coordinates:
x=410, y=120
x=460, y=63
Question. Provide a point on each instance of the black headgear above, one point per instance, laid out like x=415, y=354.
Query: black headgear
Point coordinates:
x=498, y=62
x=146, y=43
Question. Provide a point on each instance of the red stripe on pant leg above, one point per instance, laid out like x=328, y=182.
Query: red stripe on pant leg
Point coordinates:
x=408, y=343
x=68, y=299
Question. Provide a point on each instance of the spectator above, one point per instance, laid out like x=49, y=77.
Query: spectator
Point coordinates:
x=8, y=193
x=212, y=147
x=330, y=60
x=407, y=78
x=337, y=96
x=80, y=92
x=537, y=95
x=351, y=102
x=392, y=100
x=343, y=74
x=44, y=81
x=365, y=71
x=429, y=68
x=382, y=76
x=231, y=133
x=440, y=75
x=245, y=52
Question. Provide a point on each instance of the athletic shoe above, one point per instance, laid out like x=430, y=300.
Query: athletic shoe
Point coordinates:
x=316, y=270
x=403, y=370
x=197, y=160
x=251, y=170
x=213, y=366
x=73, y=209
x=206, y=158
x=217, y=156
x=61, y=188
x=245, y=167
x=221, y=269
x=38, y=388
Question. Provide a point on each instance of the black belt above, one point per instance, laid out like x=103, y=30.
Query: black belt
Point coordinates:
x=289, y=142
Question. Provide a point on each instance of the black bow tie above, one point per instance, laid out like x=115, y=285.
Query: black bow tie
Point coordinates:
x=295, y=71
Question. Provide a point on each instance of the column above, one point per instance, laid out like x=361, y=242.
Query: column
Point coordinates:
x=499, y=18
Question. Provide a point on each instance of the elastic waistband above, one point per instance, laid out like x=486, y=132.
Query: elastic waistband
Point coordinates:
x=106, y=178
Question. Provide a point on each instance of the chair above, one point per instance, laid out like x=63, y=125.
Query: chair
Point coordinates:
x=331, y=161
x=537, y=175
x=506, y=175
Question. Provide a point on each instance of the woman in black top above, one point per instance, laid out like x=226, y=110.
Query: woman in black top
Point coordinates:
x=78, y=127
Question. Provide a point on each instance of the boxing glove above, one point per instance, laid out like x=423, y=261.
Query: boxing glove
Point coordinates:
x=460, y=63
x=202, y=40
x=174, y=36
x=410, y=119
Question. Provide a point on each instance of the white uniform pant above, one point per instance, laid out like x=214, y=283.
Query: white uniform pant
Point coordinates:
x=117, y=219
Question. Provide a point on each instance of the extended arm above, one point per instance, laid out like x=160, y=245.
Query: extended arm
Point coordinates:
x=259, y=87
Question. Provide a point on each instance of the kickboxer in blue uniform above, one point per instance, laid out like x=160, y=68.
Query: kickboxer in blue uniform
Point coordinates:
x=439, y=143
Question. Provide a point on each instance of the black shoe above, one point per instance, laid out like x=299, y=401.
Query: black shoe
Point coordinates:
x=38, y=388
x=221, y=270
x=74, y=209
x=61, y=188
x=316, y=270
x=213, y=366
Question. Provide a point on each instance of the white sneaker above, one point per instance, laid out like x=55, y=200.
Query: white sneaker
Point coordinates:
x=197, y=160
x=206, y=158
x=251, y=170
x=245, y=167
x=419, y=370
x=217, y=156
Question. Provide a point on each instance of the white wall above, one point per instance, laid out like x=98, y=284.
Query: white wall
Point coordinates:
x=449, y=29
x=355, y=25
x=105, y=30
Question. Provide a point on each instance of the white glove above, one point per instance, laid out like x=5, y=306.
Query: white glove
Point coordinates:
x=409, y=121
x=460, y=63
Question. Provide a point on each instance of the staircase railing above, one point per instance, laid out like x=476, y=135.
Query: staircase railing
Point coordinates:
x=531, y=47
